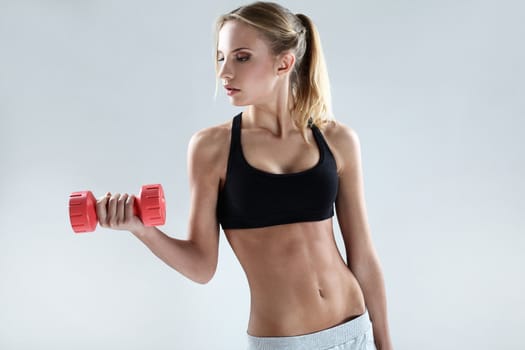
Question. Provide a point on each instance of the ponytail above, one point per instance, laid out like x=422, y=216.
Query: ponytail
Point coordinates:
x=310, y=84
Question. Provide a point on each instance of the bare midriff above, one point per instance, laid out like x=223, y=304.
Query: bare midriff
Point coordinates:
x=299, y=283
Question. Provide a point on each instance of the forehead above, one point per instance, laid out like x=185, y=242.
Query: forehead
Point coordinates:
x=235, y=34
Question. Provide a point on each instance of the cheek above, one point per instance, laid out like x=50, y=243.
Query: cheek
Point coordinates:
x=260, y=71
x=260, y=77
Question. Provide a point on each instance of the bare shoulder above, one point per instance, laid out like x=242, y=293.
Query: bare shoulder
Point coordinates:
x=208, y=151
x=343, y=142
x=210, y=140
x=340, y=132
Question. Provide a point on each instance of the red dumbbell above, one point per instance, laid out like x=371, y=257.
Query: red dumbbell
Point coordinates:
x=149, y=206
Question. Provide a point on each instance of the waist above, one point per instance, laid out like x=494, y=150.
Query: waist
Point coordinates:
x=305, y=303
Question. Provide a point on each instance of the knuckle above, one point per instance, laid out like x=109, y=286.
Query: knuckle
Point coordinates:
x=114, y=198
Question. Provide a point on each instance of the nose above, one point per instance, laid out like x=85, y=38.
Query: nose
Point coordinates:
x=225, y=71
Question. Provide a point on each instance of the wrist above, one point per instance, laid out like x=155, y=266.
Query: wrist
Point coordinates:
x=142, y=232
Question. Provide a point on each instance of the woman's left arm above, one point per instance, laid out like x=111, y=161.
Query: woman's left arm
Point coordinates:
x=361, y=256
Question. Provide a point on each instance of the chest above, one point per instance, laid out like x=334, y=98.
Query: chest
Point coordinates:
x=273, y=155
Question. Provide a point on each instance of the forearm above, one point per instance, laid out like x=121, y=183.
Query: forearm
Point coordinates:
x=370, y=277
x=181, y=255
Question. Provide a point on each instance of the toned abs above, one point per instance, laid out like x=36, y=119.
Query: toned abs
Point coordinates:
x=298, y=280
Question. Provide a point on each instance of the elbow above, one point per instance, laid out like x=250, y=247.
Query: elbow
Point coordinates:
x=205, y=276
x=197, y=275
x=203, y=267
x=205, y=270
x=202, y=281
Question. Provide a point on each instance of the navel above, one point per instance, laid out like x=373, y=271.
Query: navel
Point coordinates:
x=321, y=293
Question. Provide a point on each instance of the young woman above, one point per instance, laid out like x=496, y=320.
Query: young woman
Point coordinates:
x=271, y=177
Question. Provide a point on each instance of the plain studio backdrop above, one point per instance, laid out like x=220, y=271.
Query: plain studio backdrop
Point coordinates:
x=105, y=95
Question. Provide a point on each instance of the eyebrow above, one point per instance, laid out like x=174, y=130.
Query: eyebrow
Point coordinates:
x=237, y=49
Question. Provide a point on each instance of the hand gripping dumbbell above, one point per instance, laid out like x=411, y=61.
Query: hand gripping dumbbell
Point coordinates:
x=149, y=206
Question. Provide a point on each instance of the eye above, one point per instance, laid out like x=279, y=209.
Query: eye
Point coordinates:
x=239, y=58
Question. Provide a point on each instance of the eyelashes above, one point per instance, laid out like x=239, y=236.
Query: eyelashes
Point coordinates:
x=239, y=58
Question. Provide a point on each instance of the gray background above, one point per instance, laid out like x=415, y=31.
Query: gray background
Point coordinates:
x=105, y=95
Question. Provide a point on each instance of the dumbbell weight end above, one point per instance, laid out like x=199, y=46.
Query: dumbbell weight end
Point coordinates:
x=82, y=211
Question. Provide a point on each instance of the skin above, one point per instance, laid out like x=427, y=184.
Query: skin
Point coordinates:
x=299, y=282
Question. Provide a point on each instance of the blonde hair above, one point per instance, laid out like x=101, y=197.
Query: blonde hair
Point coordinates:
x=283, y=31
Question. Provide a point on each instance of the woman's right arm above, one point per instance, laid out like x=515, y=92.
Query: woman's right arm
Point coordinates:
x=196, y=257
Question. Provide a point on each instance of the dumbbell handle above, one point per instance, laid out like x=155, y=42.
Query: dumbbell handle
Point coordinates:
x=149, y=206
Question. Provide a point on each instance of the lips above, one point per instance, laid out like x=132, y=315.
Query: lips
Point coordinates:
x=230, y=88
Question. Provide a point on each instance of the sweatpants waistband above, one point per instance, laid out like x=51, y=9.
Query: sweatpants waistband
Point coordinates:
x=324, y=338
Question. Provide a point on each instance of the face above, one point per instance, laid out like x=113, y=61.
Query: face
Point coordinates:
x=246, y=63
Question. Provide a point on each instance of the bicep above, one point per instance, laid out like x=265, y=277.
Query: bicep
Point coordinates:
x=204, y=181
x=350, y=201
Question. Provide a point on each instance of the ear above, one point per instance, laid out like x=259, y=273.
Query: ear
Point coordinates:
x=285, y=63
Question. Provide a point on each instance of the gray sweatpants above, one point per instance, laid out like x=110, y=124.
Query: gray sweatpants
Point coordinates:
x=355, y=334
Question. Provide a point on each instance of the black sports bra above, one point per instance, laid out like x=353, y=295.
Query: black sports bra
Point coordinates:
x=255, y=198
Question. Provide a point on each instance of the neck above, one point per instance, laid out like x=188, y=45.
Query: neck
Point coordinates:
x=274, y=116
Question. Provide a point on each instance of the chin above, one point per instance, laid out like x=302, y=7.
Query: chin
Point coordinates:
x=239, y=103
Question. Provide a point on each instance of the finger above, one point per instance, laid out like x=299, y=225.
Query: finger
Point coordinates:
x=112, y=210
x=129, y=207
x=101, y=207
x=121, y=218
